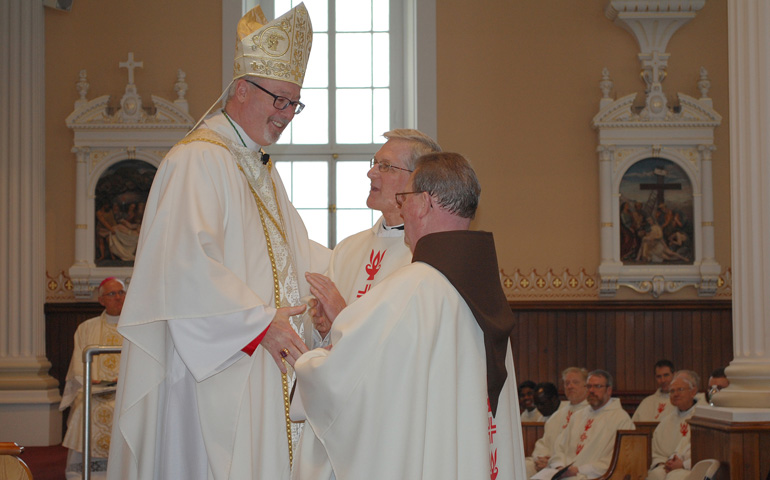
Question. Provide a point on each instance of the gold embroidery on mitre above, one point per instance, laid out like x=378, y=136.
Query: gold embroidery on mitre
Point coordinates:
x=279, y=49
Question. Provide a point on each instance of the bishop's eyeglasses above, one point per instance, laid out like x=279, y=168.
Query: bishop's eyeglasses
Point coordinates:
x=280, y=102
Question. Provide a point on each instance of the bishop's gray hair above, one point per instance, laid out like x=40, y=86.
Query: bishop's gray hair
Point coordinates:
x=420, y=143
x=451, y=179
x=689, y=376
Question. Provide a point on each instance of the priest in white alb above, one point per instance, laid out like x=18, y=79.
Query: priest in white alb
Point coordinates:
x=364, y=259
x=671, y=458
x=574, y=379
x=584, y=450
x=419, y=381
x=203, y=390
x=101, y=330
x=653, y=407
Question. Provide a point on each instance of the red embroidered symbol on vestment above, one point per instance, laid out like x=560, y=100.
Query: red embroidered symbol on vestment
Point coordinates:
x=584, y=435
x=566, y=422
x=684, y=428
x=362, y=292
x=375, y=263
x=661, y=407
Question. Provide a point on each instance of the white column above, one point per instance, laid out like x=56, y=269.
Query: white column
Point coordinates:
x=749, y=69
x=28, y=395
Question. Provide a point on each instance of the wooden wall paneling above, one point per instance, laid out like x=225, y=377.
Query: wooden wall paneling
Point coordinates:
x=696, y=360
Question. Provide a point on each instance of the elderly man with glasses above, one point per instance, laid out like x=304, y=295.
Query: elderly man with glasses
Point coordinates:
x=361, y=261
x=210, y=323
x=101, y=330
x=585, y=448
x=671, y=457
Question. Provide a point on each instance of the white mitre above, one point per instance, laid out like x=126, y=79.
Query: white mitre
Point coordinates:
x=278, y=50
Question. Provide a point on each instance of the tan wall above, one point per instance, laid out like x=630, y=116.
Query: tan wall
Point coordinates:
x=517, y=89
x=96, y=35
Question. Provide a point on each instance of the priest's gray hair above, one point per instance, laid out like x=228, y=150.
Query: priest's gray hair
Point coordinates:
x=603, y=373
x=451, y=180
x=421, y=144
x=580, y=371
x=692, y=378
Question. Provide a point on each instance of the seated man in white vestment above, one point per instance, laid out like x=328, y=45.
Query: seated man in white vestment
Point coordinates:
x=653, y=407
x=671, y=459
x=585, y=447
x=717, y=381
x=361, y=261
x=101, y=330
x=209, y=322
x=574, y=380
x=419, y=382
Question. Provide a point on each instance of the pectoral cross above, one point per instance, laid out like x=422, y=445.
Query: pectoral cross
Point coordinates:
x=130, y=65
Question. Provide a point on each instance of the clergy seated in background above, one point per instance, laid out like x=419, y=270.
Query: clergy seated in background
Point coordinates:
x=419, y=382
x=584, y=450
x=101, y=330
x=574, y=380
x=717, y=381
x=527, y=402
x=652, y=408
x=671, y=458
x=546, y=399
x=363, y=260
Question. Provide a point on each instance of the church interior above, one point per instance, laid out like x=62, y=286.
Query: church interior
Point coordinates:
x=533, y=93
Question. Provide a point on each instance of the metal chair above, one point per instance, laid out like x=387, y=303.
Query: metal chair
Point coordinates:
x=704, y=470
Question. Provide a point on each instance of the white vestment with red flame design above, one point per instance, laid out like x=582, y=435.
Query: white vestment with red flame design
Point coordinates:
x=589, y=439
x=671, y=437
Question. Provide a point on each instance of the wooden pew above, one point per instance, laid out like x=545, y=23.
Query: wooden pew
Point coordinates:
x=531, y=433
x=630, y=457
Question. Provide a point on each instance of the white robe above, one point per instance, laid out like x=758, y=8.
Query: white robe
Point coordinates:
x=99, y=330
x=363, y=260
x=533, y=415
x=652, y=408
x=671, y=437
x=190, y=403
x=590, y=437
x=403, y=392
x=554, y=426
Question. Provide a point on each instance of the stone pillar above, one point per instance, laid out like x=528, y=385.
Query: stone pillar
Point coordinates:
x=749, y=69
x=29, y=397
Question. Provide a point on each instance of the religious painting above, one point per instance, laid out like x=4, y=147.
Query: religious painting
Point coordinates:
x=119, y=200
x=656, y=214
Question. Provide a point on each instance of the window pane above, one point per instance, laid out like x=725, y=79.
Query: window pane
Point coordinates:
x=380, y=15
x=354, y=221
x=381, y=60
x=281, y=7
x=312, y=125
x=381, y=113
x=353, y=15
x=310, y=185
x=354, y=116
x=352, y=184
x=317, y=74
x=354, y=60
x=319, y=16
x=317, y=224
x=284, y=171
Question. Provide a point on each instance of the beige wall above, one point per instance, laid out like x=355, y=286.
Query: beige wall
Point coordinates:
x=517, y=89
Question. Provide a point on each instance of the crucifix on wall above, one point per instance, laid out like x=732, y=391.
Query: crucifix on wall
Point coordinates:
x=130, y=65
x=657, y=195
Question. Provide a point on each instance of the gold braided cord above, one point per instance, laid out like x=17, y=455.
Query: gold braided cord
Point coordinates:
x=187, y=140
x=277, y=292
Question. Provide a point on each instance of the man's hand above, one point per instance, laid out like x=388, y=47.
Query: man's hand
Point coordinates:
x=541, y=462
x=280, y=335
x=318, y=317
x=326, y=292
x=674, y=463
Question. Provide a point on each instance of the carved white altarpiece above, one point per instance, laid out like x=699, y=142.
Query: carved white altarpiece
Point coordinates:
x=105, y=137
x=664, y=139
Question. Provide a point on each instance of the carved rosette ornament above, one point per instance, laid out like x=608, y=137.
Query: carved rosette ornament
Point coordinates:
x=639, y=248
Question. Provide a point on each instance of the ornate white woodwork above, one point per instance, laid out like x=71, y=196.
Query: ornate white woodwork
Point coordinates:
x=682, y=134
x=104, y=138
